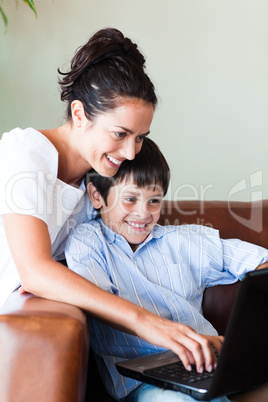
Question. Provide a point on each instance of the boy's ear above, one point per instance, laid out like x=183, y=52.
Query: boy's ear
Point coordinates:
x=95, y=197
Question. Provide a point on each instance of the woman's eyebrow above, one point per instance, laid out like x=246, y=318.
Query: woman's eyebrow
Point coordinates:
x=130, y=131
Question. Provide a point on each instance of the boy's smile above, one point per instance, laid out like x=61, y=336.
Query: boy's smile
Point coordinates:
x=131, y=211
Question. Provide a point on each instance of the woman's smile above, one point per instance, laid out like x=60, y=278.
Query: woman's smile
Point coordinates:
x=114, y=161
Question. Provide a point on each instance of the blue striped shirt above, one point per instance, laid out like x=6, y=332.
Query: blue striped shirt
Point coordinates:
x=166, y=275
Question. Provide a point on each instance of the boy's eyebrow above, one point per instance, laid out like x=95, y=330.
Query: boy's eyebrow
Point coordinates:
x=133, y=192
x=130, y=131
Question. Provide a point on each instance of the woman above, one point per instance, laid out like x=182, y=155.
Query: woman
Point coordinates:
x=111, y=103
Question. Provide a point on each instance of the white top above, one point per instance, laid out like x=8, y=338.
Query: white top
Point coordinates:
x=29, y=186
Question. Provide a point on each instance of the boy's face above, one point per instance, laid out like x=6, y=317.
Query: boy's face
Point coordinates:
x=132, y=211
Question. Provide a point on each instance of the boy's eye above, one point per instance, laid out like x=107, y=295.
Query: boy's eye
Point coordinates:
x=130, y=199
x=155, y=201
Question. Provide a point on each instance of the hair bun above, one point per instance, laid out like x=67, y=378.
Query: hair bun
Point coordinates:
x=131, y=51
x=110, y=43
x=108, y=67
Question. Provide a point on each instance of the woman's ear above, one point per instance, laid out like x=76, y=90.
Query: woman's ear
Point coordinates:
x=78, y=113
x=95, y=197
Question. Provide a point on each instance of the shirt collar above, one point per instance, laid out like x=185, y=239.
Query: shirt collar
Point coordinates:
x=157, y=232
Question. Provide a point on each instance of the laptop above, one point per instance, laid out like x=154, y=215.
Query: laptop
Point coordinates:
x=242, y=363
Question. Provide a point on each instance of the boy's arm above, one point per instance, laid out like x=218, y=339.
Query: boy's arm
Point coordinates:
x=262, y=266
x=236, y=257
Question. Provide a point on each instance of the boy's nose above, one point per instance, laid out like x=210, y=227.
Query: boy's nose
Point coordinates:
x=142, y=210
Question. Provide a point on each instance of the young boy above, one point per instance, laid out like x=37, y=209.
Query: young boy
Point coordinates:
x=163, y=269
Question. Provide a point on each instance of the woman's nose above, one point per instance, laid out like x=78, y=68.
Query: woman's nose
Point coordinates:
x=131, y=148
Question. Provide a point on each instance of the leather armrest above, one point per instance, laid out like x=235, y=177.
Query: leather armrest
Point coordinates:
x=44, y=347
x=217, y=305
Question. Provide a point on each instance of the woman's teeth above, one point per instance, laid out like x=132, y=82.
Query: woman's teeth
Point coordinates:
x=113, y=160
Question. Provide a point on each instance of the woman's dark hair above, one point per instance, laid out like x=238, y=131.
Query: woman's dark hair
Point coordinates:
x=108, y=67
x=149, y=167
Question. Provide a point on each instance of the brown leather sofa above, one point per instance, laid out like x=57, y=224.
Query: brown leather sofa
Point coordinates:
x=44, y=345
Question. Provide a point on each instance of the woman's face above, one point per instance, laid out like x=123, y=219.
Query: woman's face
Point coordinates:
x=115, y=136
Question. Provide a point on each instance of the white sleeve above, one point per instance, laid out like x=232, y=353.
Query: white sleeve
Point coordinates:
x=28, y=173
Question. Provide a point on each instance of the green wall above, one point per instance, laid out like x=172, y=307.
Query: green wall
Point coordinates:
x=207, y=58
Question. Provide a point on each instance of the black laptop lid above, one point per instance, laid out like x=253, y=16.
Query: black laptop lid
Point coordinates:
x=244, y=354
x=243, y=359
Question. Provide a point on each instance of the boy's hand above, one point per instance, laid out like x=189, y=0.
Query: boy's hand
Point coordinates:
x=191, y=347
x=215, y=343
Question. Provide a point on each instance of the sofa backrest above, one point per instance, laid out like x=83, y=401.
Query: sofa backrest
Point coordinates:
x=247, y=221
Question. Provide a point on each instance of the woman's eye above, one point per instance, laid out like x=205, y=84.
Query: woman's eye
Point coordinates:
x=119, y=135
x=140, y=138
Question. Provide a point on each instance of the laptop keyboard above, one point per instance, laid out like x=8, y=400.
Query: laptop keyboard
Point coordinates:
x=176, y=372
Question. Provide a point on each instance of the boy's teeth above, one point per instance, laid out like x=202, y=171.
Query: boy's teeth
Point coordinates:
x=113, y=160
x=136, y=225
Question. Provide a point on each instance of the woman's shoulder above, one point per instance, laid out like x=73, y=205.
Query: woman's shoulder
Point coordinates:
x=29, y=137
x=27, y=150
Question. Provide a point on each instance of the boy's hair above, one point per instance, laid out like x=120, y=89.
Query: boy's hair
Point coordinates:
x=149, y=167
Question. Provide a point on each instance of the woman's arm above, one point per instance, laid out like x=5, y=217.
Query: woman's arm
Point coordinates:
x=30, y=246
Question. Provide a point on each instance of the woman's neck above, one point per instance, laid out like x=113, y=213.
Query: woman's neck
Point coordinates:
x=69, y=170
